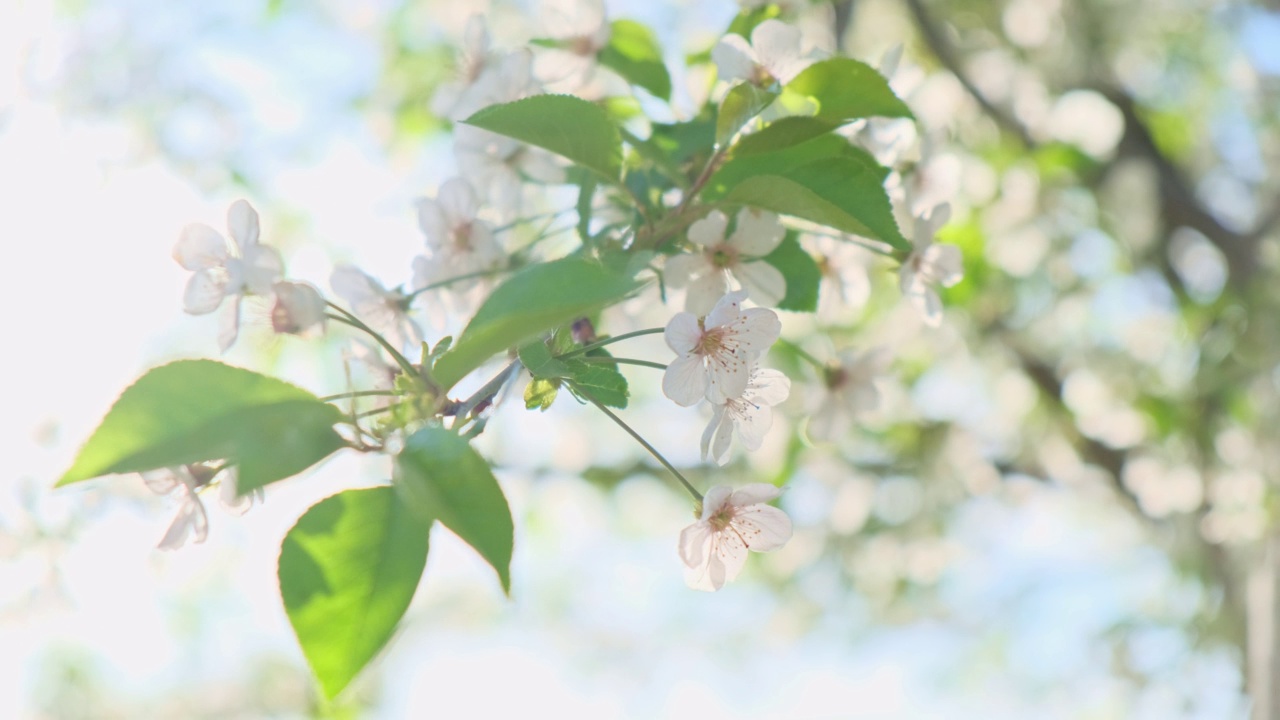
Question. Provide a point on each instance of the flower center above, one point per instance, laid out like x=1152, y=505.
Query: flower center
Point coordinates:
x=721, y=520
x=835, y=377
x=582, y=45
x=723, y=256
x=711, y=343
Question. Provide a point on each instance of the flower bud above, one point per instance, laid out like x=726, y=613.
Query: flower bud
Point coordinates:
x=298, y=308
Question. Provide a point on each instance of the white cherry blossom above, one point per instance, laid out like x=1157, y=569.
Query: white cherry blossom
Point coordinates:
x=461, y=97
x=298, y=310
x=221, y=269
x=772, y=55
x=849, y=391
x=457, y=241
x=845, y=286
x=706, y=272
x=715, y=353
x=186, y=481
x=751, y=415
x=714, y=548
x=386, y=311
x=582, y=29
x=496, y=165
x=929, y=265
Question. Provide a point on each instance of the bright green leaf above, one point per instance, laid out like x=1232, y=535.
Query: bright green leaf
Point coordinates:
x=601, y=381
x=348, y=570
x=532, y=302
x=742, y=167
x=565, y=125
x=537, y=359
x=634, y=53
x=444, y=478
x=743, y=102
x=783, y=133
x=846, y=89
x=540, y=393
x=801, y=272
x=198, y=410
x=748, y=19
x=840, y=192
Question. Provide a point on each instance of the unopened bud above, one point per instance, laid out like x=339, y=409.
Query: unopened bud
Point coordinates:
x=298, y=308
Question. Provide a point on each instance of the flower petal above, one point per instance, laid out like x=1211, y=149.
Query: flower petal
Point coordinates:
x=708, y=231
x=945, y=263
x=715, y=500
x=190, y=522
x=734, y=58
x=757, y=329
x=754, y=494
x=728, y=376
x=682, y=333
x=432, y=221
x=763, y=527
x=727, y=310
x=685, y=380
x=758, y=232
x=717, y=417
x=769, y=386
x=229, y=324
x=705, y=291
x=680, y=269
x=200, y=247
x=205, y=291
x=753, y=423
x=161, y=481
x=458, y=201
x=763, y=282
x=695, y=545
x=730, y=555
x=355, y=286
x=242, y=221
x=262, y=268
x=720, y=446
x=777, y=45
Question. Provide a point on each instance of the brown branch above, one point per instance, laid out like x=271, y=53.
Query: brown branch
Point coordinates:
x=936, y=40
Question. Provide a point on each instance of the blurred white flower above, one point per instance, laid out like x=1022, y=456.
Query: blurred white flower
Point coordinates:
x=845, y=286
x=582, y=29
x=930, y=264
x=772, y=55
x=714, y=354
x=459, y=243
x=714, y=548
x=477, y=66
x=298, y=309
x=706, y=272
x=496, y=165
x=849, y=390
x=222, y=269
x=192, y=522
x=751, y=414
x=386, y=311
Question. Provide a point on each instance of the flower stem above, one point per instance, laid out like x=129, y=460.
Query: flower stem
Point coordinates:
x=355, y=322
x=652, y=450
x=490, y=389
x=358, y=394
x=623, y=361
x=610, y=340
x=803, y=354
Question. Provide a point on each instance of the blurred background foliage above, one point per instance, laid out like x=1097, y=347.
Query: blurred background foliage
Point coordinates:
x=1063, y=508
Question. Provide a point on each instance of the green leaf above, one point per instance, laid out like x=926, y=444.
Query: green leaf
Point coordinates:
x=840, y=192
x=801, y=272
x=783, y=133
x=537, y=359
x=444, y=478
x=747, y=20
x=743, y=102
x=348, y=570
x=565, y=125
x=532, y=302
x=601, y=381
x=198, y=410
x=540, y=393
x=846, y=89
x=634, y=53
x=742, y=167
